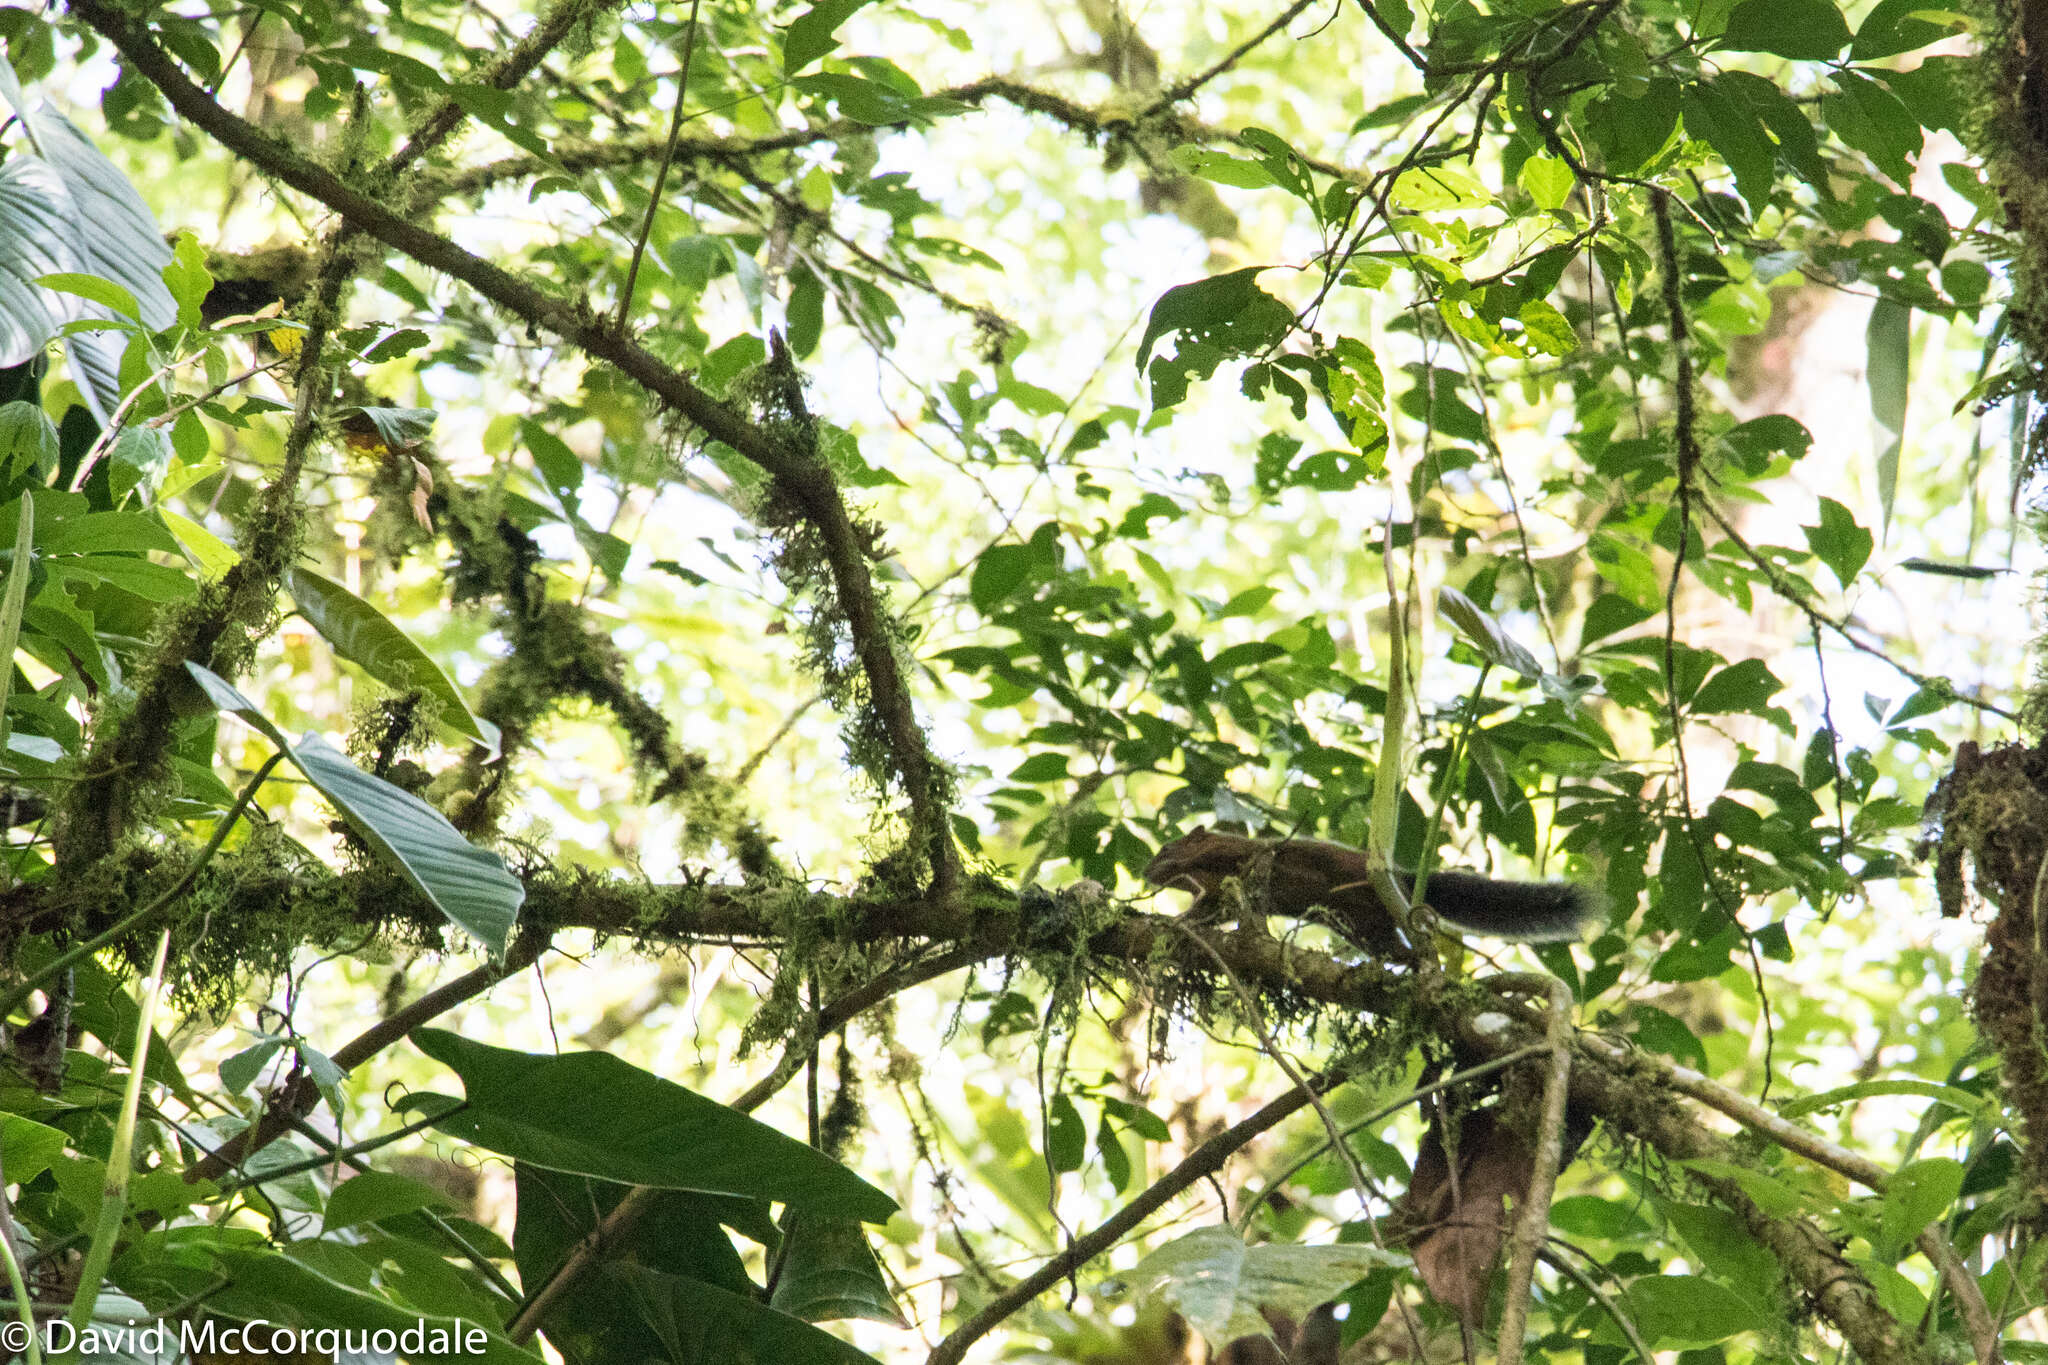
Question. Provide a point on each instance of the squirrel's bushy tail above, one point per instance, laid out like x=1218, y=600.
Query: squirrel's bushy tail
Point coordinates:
x=1527, y=912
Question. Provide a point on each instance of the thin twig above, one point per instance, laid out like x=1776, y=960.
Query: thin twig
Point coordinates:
x=668, y=156
x=300, y=1095
x=1199, y=1164
x=1229, y=59
x=1532, y=1209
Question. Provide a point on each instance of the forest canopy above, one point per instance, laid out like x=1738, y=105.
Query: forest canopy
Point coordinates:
x=1104, y=683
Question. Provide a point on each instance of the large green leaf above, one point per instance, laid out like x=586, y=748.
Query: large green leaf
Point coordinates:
x=677, y=1233
x=810, y=35
x=66, y=209
x=366, y=637
x=1889, y=367
x=590, y=1113
x=277, y=1287
x=1219, y=1284
x=467, y=884
x=1690, y=1310
x=701, y=1324
x=829, y=1272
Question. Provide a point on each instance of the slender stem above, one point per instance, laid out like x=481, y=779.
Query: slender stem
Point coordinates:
x=668, y=156
x=352, y=1157
x=32, y=1350
x=120, y=1157
x=1385, y=1111
x=16, y=997
x=1563, y=1265
x=1199, y=1164
x=1532, y=1212
x=299, y=1098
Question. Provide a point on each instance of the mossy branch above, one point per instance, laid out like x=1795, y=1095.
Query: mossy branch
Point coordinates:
x=803, y=479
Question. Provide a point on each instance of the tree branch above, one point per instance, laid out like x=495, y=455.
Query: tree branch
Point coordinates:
x=798, y=473
x=298, y=1097
x=1199, y=1164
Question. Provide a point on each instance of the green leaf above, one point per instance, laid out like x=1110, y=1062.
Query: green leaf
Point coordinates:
x=261, y=1283
x=1549, y=181
x=704, y=1324
x=1917, y=1194
x=871, y=102
x=105, y=532
x=1733, y=131
x=373, y=1196
x=67, y=210
x=1432, y=189
x=1358, y=396
x=1046, y=767
x=367, y=638
x=1485, y=634
x=1586, y=1215
x=1250, y=602
x=240, y=1071
x=811, y=34
x=1889, y=368
x=1630, y=130
x=1804, y=30
x=1220, y=1285
x=1839, y=542
x=1962, y=1101
x=1066, y=1135
x=398, y=428
x=1722, y=1244
x=1222, y=316
x=12, y=600
x=1691, y=1311
x=1222, y=168
x=1001, y=570
x=467, y=884
x=494, y=108
x=829, y=1273
x=186, y=277
x=28, y=439
x=1896, y=26
x=207, y=552
x=93, y=289
x=1609, y=613
x=1870, y=118
x=1666, y=1033
x=648, y=1131
x=29, y=1148
x=1747, y=685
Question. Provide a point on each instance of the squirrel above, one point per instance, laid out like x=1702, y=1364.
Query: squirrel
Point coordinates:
x=1309, y=872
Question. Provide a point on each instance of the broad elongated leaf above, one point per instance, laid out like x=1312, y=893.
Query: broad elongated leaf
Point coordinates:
x=1890, y=339
x=1920, y=1192
x=677, y=1233
x=701, y=1324
x=281, y=1288
x=365, y=636
x=1691, y=1310
x=647, y=1132
x=467, y=884
x=1219, y=1284
x=66, y=209
x=12, y=599
x=1486, y=634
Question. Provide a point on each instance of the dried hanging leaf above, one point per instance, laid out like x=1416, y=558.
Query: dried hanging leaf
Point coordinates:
x=422, y=489
x=1462, y=1223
